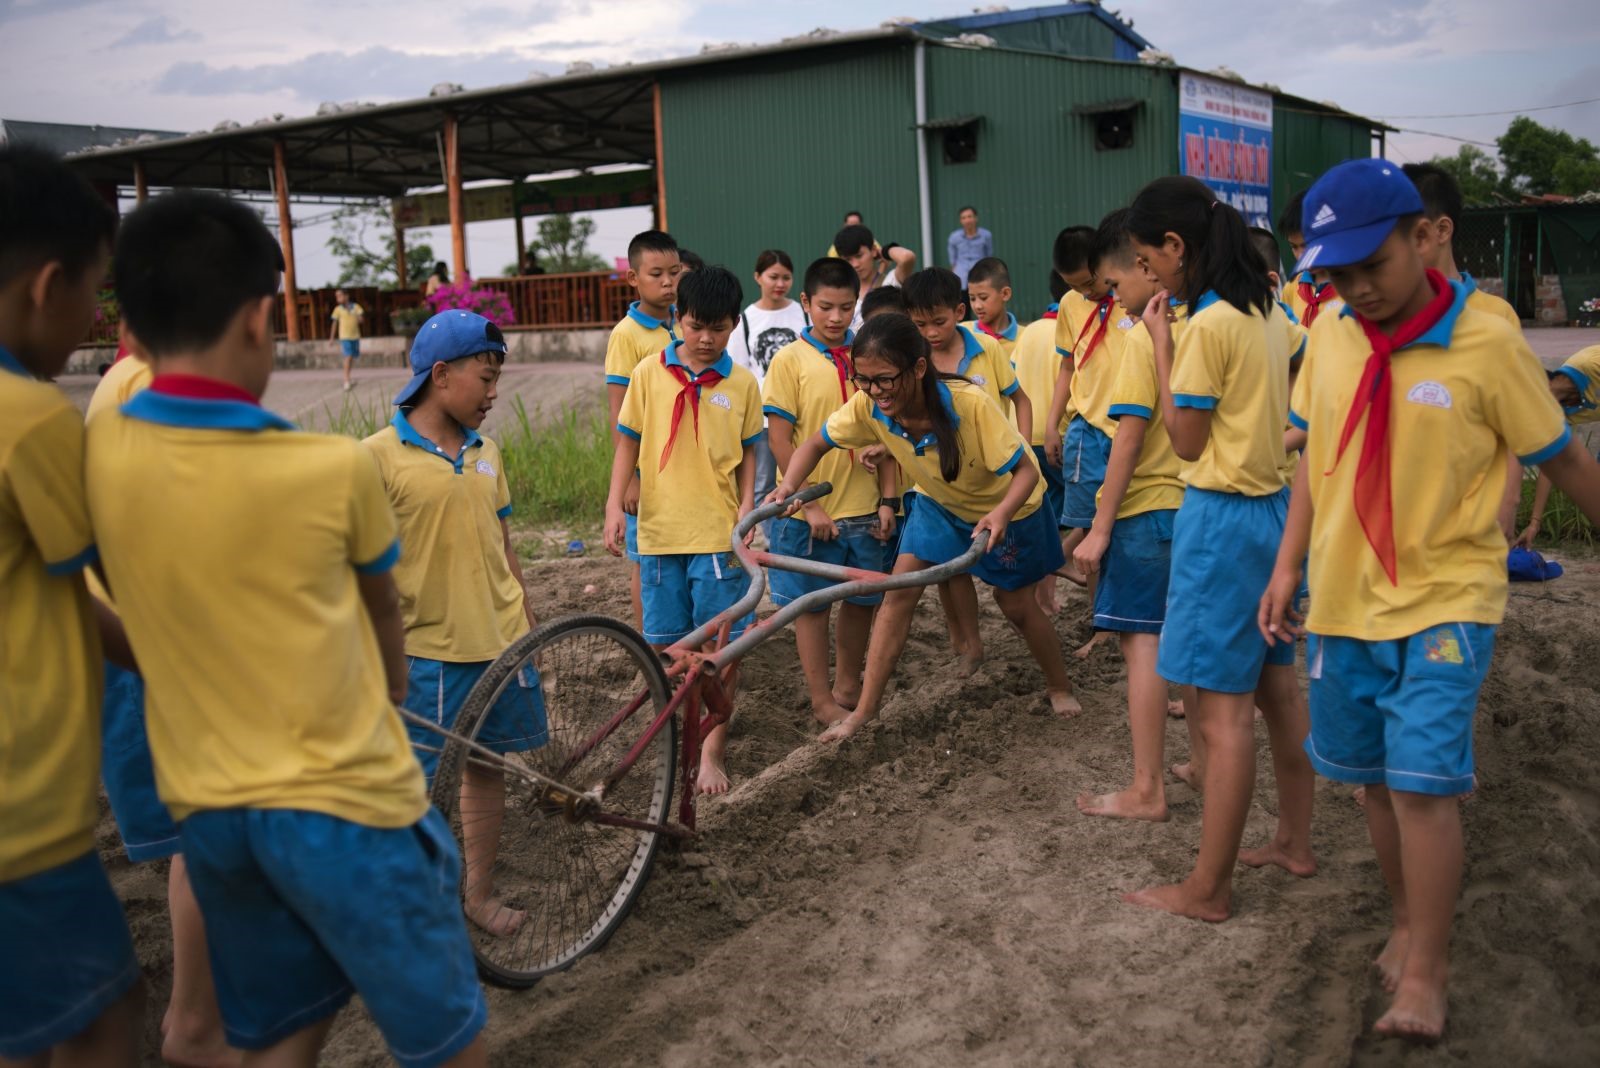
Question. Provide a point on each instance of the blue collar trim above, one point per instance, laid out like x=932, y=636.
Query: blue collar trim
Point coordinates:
x=972, y=348
x=649, y=323
x=1010, y=332
x=1293, y=318
x=10, y=363
x=1582, y=381
x=810, y=339
x=409, y=435
x=197, y=414
x=927, y=441
x=723, y=366
x=1203, y=301
x=1441, y=331
x=1051, y=308
x=1470, y=282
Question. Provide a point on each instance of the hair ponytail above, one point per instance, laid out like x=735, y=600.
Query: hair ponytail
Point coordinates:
x=892, y=337
x=1216, y=241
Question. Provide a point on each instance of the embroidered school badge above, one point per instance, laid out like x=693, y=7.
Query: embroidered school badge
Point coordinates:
x=1432, y=394
x=721, y=401
x=1125, y=323
x=1442, y=647
x=979, y=380
x=484, y=467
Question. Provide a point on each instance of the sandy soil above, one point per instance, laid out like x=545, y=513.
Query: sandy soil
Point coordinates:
x=927, y=894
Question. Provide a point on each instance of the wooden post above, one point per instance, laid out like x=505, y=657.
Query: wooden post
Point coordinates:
x=141, y=185
x=291, y=295
x=399, y=251
x=516, y=220
x=661, y=175
x=452, y=181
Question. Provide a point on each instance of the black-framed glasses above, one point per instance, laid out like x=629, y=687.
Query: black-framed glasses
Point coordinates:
x=878, y=384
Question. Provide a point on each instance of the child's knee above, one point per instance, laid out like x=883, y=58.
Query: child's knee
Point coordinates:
x=1018, y=606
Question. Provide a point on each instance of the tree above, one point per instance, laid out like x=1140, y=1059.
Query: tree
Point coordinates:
x=359, y=264
x=1541, y=159
x=1475, y=172
x=563, y=245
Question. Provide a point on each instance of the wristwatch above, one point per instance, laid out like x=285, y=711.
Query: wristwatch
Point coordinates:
x=889, y=502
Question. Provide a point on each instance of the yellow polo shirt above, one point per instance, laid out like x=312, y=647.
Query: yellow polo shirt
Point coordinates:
x=1584, y=370
x=633, y=340
x=1458, y=402
x=49, y=647
x=991, y=448
x=800, y=392
x=1073, y=311
x=460, y=601
x=692, y=505
x=1480, y=301
x=987, y=367
x=1094, y=379
x=1006, y=339
x=1037, y=365
x=1236, y=365
x=1156, y=484
x=1297, y=303
x=233, y=543
x=117, y=386
x=348, y=319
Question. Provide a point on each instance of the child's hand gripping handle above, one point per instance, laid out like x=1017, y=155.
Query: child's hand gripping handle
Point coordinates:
x=781, y=503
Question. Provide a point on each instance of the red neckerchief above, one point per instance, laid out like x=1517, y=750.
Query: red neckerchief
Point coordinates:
x=1051, y=314
x=1374, y=502
x=1314, y=297
x=1102, y=311
x=987, y=329
x=842, y=364
x=198, y=387
x=689, y=394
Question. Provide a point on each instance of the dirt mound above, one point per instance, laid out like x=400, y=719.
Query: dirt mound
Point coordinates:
x=928, y=893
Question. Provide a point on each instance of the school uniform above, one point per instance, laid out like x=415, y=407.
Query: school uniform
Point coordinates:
x=1037, y=364
x=68, y=953
x=1005, y=337
x=1584, y=371
x=1401, y=641
x=805, y=384
x=692, y=429
x=634, y=339
x=1490, y=304
x=461, y=603
x=939, y=528
x=1309, y=300
x=984, y=363
x=1225, y=536
x=347, y=318
x=234, y=543
x=1096, y=352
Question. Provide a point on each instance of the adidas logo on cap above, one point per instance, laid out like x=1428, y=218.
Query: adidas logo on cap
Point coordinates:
x=1325, y=216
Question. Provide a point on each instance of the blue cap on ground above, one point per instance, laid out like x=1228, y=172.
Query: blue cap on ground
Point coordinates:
x=450, y=335
x=1351, y=210
x=1525, y=565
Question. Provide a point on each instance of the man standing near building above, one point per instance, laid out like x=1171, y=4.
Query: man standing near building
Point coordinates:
x=969, y=244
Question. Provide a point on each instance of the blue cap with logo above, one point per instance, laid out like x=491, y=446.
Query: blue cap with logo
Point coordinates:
x=1351, y=210
x=450, y=335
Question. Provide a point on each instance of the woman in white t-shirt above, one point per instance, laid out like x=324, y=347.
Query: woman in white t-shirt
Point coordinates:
x=765, y=327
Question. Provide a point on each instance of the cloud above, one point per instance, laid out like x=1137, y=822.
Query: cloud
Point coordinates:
x=376, y=72
x=156, y=30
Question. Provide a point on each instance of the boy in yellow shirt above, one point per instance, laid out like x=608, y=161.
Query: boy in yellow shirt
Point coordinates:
x=654, y=269
x=1037, y=366
x=989, y=290
x=1308, y=297
x=808, y=381
x=688, y=427
x=1576, y=387
x=251, y=565
x=1442, y=204
x=346, y=317
x=69, y=981
x=1407, y=566
x=460, y=583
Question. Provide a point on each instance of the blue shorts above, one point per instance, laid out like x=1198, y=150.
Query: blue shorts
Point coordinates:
x=68, y=955
x=304, y=909
x=631, y=541
x=1084, y=454
x=1224, y=546
x=147, y=829
x=854, y=547
x=351, y=348
x=1055, y=488
x=1398, y=712
x=436, y=690
x=1131, y=597
x=684, y=591
x=1031, y=549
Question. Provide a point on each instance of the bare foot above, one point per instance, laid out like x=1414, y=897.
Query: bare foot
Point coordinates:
x=840, y=731
x=1064, y=704
x=1359, y=796
x=1125, y=805
x=1048, y=603
x=492, y=915
x=830, y=712
x=1303, y=865
x=1393, y=958
x=1417, y=1013
x=1260, y=715
x=1083, y=651
x=1075, y=577
x=195, y=1050
x=845, y=701
x=1189, y=774
x=1175, y=709
x=713, y=777
x=967, y=664
x=1179, y=900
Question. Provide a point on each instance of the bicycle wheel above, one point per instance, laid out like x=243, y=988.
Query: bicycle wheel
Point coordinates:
x=563, y=886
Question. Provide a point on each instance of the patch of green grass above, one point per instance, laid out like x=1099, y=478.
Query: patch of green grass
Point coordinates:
x=560, y=470
x=354, y=419
x=1563, y=526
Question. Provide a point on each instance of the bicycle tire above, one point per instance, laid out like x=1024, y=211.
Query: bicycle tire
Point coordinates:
x=575, y=882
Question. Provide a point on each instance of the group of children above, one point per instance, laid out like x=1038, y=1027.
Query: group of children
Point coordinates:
x=277, y=594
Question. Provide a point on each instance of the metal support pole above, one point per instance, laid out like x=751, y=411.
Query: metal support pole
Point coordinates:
x=924, y=198
x=661, y=173
x=452, y=181
x=291, y=295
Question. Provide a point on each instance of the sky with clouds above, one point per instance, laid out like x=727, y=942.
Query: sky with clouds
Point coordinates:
x=189, y=64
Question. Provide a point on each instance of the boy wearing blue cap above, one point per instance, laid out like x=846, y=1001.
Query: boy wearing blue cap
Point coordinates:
x=69, y=980
x=251, y=563
x=688, y=428
x=1407, y=564
x=460, y=584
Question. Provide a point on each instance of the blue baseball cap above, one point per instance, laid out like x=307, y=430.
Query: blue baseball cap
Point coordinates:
x=450, y=335
x=1351, y=210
